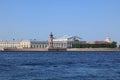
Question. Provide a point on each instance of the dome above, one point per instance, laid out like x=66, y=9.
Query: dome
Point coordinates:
x=108, y=39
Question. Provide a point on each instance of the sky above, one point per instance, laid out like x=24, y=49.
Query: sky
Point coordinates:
x=36, y=19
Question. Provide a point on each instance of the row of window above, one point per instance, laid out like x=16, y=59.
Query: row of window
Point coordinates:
x=39, y=46
x=62, y=45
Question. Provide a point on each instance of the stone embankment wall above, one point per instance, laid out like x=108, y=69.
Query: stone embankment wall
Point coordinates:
x=93, y=49
x=27, y=49
x=70, y=49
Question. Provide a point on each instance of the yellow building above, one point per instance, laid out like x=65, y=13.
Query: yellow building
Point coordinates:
x=9, y=44
x=24, y=44
x=39, y=44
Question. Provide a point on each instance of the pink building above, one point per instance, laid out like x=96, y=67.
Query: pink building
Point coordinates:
x=106, y=41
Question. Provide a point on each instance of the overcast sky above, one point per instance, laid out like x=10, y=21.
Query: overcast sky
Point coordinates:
x=35, y=19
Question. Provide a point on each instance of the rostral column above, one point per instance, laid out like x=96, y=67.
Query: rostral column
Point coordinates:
x=51, y=40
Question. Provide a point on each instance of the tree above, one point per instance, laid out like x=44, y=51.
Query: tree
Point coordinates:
x=114, y=44
x=108, y=45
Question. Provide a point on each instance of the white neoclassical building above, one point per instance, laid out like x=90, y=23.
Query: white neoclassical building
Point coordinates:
x=67, y=41
x=39, y=44
x=24, y=44
x=9, y=44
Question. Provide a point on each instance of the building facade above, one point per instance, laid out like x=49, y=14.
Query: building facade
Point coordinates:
x=106, y=41
x=39, y=44
x=24, y=44
x=66, y=41
x=9, y=44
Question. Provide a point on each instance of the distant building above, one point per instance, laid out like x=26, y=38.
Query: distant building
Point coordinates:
x=39, y=44
x=61, y=42
x=67, y=41
x=106, y=41
x=24, y=44
x=9, y=44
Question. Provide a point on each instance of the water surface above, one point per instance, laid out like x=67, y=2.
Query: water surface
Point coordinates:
x=59, y=65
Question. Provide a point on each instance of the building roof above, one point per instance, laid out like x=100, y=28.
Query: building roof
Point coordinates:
x=98, y=42
x=68, y=38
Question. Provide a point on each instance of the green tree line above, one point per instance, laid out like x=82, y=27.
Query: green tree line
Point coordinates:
x=110, y=45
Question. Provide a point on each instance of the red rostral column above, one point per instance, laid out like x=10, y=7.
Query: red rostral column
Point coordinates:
x=51, y=39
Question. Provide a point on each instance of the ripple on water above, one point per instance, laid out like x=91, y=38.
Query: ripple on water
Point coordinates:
x=62, y=66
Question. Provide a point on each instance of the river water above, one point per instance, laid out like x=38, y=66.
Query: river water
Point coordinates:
x=59, y=65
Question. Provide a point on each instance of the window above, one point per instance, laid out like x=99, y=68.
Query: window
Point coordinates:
x=37, y=46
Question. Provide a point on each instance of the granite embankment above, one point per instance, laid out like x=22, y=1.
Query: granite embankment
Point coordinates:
x=93, y=49
x=69, y=49
x=26, y=49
